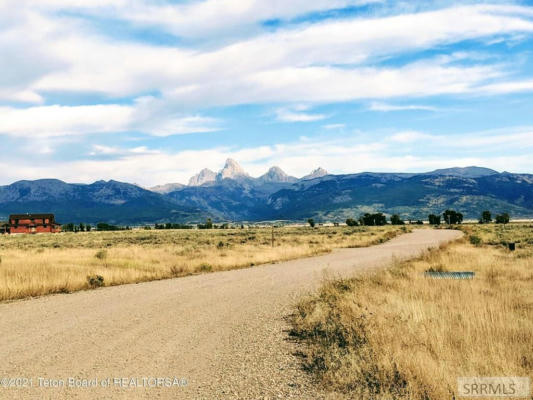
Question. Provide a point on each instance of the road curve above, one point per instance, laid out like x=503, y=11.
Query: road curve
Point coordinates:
x=223, y=332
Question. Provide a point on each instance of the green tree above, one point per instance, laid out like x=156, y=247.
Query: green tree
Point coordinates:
x=486, y=217
x=434, y=219
x=102, y=226
x=208, y=224
x=452, y=217
x=68, y=227
x=396, y=220
x=351, y=222
x=373, y=219
x=502, y=218
x=311, y=222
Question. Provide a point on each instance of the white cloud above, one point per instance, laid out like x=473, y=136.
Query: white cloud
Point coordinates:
x=313, y=62
x=343, y=155
x=297, y=113
x=199, y=18
x=99, y=150
x=179, y=126
x=473, y=141
x=56, y=120
x=285, y=65
x=334, y=126
x=508, y=87
x=47, y=121
x=104, y=150
x=377, y=106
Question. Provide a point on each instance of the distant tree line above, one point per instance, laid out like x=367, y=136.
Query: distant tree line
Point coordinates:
x=502, y=218
x=102, y=226
x=486, y=218
x=209, y=225
x=169, y=225
x=76, y=227
x=454, y=217
x=449, y=216
x=377, y=219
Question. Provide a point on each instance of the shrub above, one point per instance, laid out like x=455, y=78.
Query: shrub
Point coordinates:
x=220, y=245
x=176, y=270
x=204, y=268
x=101, y=254
x=475, y=240
x=95, y=281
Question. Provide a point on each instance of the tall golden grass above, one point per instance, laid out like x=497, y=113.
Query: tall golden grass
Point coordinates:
x=34, y=265
x=397, y=334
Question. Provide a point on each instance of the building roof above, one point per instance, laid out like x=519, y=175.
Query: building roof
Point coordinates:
x=31, y=216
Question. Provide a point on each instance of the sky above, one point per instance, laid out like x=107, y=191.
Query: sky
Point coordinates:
x=152, y=91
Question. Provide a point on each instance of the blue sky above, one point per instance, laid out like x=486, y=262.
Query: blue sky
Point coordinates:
x=153, y=91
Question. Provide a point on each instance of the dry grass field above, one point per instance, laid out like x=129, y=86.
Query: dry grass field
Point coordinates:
x=34, y=265
x=397, y=334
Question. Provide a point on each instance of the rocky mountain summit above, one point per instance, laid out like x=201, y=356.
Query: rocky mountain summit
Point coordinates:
x=233, y=170
x=276, y=174
x=204, y=176
x=317, y=173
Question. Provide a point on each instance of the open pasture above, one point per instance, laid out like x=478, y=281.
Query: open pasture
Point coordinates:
x=34, y=265
x=397, y=334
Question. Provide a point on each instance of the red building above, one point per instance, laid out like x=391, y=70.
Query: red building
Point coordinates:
x=33, y=223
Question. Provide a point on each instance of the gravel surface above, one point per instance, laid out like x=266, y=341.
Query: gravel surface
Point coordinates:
x=224, y=332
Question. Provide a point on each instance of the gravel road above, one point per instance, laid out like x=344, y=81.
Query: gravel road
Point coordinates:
x=224, y=332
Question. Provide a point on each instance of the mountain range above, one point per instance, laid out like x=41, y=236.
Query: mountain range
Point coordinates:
x=231, y=194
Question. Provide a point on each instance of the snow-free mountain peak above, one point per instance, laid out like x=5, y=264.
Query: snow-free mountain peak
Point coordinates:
x=317, y=173
x=276, y=174
x=231, y=170
x=204, y=176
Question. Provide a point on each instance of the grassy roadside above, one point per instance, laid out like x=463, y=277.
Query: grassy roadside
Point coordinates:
x=35, y=265
x=397, y=334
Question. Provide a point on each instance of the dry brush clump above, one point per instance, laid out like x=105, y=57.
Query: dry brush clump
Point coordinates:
x=397, y=334
x=35, y=265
